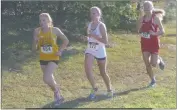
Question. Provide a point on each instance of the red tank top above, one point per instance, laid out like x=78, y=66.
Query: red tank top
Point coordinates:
x=149, y=41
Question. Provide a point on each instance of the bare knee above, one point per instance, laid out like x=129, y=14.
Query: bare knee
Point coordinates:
x=148, y=65
x=103, y=73
x=88, y=70
x=154, y=64
x=47, y=79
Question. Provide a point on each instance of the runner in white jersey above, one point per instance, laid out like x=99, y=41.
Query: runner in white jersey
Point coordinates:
x=95, y=47
x=97, y=38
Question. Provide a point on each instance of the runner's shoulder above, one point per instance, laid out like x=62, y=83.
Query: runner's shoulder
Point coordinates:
x=36, y=30
x=102, y=25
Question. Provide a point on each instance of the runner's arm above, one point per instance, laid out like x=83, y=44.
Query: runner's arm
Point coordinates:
x=161, y=28
x=103, y=32
x=64, y=39
x=139, y=24
x=35, y=40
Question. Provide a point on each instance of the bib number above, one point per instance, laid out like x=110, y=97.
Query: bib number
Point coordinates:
x=145, y=35
x=93, y=46
x=46, y=49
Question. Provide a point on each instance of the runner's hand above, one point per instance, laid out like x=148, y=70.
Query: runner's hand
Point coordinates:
x=152, y=33
x=36, y=39
x=85, y=38
x=59, y=53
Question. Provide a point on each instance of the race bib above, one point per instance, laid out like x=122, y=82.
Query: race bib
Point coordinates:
x=46, y=49
x=93, y=46
x=145, y=35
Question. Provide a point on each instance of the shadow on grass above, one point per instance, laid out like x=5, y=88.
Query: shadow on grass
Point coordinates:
x=68, y=104
x=83, y=100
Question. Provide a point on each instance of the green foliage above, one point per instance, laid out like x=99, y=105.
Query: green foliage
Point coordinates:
x=170, y=12
x=70, y=16
x=119, y=16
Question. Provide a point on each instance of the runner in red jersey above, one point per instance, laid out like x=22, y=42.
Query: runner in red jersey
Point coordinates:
x=149, y=43
x=150, y=28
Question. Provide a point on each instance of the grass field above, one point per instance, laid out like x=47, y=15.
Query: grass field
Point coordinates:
x=25, y=89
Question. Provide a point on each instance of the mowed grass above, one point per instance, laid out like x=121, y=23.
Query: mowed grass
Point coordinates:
x=25, y=89
x=170, y=33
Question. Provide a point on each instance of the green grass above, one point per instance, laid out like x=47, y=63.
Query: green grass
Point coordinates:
x=170, y=28
x=25, y=88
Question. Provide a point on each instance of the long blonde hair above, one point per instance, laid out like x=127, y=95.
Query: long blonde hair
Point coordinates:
x=47, y=15
x=158, y=12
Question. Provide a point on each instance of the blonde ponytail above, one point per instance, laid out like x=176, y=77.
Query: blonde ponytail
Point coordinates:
x=159, y=13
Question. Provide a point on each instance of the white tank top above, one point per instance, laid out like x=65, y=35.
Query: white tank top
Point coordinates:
x=95, y=47
x=97, y=32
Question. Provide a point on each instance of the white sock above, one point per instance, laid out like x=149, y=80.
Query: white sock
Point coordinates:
x=149, y=58
x=158, y=61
